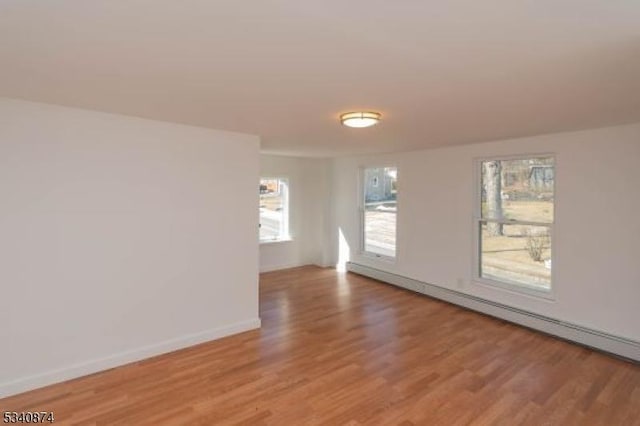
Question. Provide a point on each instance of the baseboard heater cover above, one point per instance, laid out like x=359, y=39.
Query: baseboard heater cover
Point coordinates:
x=620, y=346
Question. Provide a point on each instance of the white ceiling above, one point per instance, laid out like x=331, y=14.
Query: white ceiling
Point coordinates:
x=441, y=72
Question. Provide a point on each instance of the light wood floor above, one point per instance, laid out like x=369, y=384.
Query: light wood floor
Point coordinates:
x=343, y=349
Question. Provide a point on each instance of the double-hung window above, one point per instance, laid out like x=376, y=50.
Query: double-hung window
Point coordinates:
x=274, y=209
x=379, y=211
x=514, y=223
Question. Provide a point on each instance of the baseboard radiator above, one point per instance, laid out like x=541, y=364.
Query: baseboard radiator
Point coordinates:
x=616, y=345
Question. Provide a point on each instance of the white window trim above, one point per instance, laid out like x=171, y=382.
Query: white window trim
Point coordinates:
x=517, y=288
x=361, y=211
x=285, y=234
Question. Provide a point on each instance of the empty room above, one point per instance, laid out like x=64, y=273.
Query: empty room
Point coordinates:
x=286, y=212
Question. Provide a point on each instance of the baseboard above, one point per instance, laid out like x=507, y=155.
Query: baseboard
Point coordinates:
x=93, y=366
x=271, y=268
x=603, y=341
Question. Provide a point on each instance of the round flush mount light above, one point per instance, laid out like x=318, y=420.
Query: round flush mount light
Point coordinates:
x=360, y=119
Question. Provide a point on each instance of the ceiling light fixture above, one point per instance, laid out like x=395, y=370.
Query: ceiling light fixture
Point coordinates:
x=360, y=119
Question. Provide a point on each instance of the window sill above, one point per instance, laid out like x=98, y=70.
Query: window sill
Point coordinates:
x=280, y=240
x=378, y=257
x=522, y=290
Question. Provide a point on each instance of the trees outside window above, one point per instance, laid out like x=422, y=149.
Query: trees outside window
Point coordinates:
x=515, y=222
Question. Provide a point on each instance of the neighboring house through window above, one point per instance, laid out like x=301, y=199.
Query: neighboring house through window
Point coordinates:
x=274, y=209
x=379, y=211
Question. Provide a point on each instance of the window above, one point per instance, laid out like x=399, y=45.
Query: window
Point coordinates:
x=515, y=222
x=274, y=209
x=379, y=211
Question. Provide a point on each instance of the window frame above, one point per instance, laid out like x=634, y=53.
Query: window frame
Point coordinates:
x=361, y=214
x=522, y=289
x=285, y=234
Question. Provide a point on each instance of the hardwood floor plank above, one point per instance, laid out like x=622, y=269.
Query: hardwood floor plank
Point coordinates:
x=342, y=349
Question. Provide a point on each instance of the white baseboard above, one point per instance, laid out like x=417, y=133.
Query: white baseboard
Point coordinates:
x=617, y=345
x=93, y=366
x=289, y=266
x=270, y=268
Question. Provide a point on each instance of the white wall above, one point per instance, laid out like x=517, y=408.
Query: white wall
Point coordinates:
x=597, y=231
x=120, y=238
x=308, y=209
